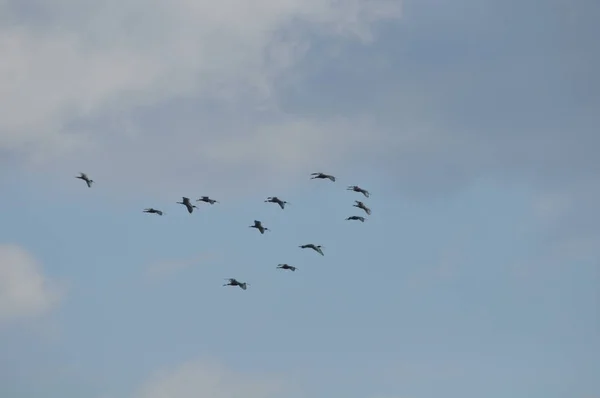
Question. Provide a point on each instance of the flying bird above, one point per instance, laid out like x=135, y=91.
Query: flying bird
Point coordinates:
x=206, y=199
x=258, y=225
x=286, y=266
x=153, y=211
x=235, y=282
x=317, y=248
x=322, y=176
x=84, y=177
x=358, y=189
x=361, y=205
x=357, y=218
x=275, y=199
x=186, y=202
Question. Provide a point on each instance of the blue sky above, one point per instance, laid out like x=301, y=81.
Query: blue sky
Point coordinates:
x=472, y=123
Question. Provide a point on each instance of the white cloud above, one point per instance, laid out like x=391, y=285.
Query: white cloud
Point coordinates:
x=24, y=290
x=63, y=78
x=204, y=379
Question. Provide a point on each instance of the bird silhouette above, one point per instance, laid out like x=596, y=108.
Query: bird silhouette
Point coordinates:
x=361, y=205
x=84, y=177
x=322, y=176
x=357, y=218
x=275, y=199
x=206, y=199
x=186, y=202
x=258, y=225
x=286, y=266
x=153, y=211
x=235, y=282
x=317, y=248
x=358, y=189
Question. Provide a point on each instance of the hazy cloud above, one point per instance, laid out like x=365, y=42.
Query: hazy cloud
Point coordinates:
x=24, y=290
x=163, y=269
x=80, y=76
x=206, y=379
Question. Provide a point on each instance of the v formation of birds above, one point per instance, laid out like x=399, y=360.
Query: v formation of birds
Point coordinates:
x=258, y=224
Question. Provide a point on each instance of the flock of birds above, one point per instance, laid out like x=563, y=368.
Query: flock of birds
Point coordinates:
x=258, y=224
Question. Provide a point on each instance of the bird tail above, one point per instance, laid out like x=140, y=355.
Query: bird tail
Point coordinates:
x=244, y=286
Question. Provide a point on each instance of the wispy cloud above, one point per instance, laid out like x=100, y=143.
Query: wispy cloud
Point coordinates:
x=25, y=291
x=166, y=268
x=210, y=379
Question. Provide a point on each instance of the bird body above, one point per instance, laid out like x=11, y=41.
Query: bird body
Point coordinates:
x=317, y=248
x=208, y=200
x=258, y=225
x=235, y=282
x=186, y=202
x=358, y=189
x=275, y=199
x=153, y=211
x=357, y=218
x=362, y=206
x=286, y=266
x=322, y=176
x=84, y=177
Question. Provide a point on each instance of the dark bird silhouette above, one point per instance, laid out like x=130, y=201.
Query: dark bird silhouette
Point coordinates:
x=357, y=218
x=361, y=205
x=358, y=189
x=275, y=199
x=153, y=211
x=206, y=199
x=258, y=225
x=235, y=282
x=186, y=202
x=286, y=266
x=84, y=177
x=317, y=248
x=322, y=176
